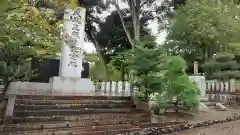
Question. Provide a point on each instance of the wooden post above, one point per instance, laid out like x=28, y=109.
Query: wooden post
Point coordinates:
x=195, y=68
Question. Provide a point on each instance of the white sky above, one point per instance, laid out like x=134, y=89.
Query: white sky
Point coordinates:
x=89, y=47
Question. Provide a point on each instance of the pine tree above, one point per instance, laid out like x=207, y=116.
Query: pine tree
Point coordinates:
x=223, y=66
x=146, y=62
x=177, y=90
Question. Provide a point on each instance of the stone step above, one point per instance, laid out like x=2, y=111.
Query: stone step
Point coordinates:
x=117, y=128
x=73, y=97
x=70, y=106
x=49, y=112
x=78, y=117
x=104, y=131
x=54, y=102
x=70, y=124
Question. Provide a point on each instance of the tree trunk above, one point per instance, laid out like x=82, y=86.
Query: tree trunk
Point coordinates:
x=124, y=24
x=98, y=50
x=136, y=19
x=176, y=107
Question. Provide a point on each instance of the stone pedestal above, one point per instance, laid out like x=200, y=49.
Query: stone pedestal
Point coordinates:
x=71, y=86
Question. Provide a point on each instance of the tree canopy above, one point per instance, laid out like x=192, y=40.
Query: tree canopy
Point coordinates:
x=26, y=25
x=202, y=28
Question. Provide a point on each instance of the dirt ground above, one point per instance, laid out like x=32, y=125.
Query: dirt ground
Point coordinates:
x=228, y=128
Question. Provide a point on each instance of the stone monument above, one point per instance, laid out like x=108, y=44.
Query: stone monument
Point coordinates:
x=69, y=80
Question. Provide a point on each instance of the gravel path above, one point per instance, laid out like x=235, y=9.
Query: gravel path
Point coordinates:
x=229, y=128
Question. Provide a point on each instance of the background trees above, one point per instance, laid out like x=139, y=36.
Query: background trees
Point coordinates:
x=223, y=66
x=201, y=29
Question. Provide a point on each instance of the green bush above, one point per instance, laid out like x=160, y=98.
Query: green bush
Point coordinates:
x=177, y=90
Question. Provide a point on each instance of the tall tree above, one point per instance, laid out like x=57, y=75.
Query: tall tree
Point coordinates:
x=136, y=9
x=25, y=33
x=201, y=28
x=25, y=25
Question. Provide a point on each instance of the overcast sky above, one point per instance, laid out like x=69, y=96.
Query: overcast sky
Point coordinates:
x=89, y=47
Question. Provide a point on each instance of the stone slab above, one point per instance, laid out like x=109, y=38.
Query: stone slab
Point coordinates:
x=201, y=83
x=29, y=88
x=57, y=86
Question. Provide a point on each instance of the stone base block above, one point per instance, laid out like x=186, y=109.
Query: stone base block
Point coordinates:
x=57, y=86
x=71, y=86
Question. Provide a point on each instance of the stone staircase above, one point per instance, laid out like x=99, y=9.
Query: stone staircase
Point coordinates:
x=80, y=115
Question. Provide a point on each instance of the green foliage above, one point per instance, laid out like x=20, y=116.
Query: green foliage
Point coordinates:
x=26, y=25
x=202, y=28
x=223, y=66
x=25, y=32
x=177, y=90
x=15, y=63
x=98, y=70
x=145, y=62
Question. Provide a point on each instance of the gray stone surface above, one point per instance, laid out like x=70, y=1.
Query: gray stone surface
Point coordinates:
x=203, y=108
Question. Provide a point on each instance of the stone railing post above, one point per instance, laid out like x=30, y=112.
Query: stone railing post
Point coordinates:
x=113, y=87
x=108, y=88
x=103, y=87
x=127, y=89
x=232, y=85
x=120, y=88
x=226, y=86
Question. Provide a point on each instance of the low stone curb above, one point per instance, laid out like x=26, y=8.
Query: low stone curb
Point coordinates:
x=180, y=127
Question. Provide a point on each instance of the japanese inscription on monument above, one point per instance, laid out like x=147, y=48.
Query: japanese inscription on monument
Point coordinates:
x=73, y=37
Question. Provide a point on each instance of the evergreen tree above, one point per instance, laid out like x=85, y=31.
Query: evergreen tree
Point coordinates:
x=223, y=66
x=146, y=62
x=177, y=90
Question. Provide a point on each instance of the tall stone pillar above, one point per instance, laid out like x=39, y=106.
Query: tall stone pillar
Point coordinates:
x=69, y=81
x=73, y=41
